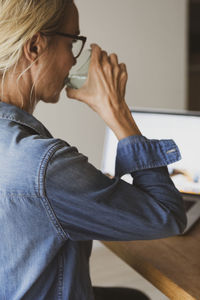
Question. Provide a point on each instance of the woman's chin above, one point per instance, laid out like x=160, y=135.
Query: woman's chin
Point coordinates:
x=56, y=98
x=53, y=98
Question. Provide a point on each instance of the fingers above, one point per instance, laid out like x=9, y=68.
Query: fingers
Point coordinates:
x=96, y=50
x=102, y=56
x=100, y=59
x=116, y=70
x=106, y=65
x=124, y=73
x=96, y=54
x=123, y=79
x=114, y=59
x=111, y=67
x=71, y=93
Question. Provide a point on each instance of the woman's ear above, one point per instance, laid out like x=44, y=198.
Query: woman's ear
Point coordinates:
x=34, y=47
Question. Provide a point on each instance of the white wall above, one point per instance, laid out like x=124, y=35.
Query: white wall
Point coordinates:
x=150, y=37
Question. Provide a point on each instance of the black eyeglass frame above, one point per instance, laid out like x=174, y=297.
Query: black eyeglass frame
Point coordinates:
x=72, y=36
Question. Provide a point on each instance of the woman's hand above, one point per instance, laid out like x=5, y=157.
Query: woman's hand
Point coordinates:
x=104, y=91
x=106, y=82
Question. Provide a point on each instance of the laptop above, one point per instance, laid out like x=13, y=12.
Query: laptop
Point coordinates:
x=182, y=127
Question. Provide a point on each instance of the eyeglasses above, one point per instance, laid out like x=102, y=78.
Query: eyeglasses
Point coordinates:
x=78, y=43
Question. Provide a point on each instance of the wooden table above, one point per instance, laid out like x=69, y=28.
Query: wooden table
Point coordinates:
x=172, y=264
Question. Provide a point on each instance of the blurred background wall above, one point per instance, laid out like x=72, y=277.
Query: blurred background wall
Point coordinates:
x=150, y=36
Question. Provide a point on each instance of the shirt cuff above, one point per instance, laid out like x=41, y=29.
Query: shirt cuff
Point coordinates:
x=136, y=153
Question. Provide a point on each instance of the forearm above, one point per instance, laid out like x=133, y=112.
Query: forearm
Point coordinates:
x=122, y=123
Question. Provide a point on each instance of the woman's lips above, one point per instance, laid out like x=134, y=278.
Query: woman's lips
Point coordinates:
x=64, y=82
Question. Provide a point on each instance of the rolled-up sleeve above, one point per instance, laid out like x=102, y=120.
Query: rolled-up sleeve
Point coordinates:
x=91, y=206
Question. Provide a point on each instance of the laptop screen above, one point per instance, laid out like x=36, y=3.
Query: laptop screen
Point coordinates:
x=182, y=127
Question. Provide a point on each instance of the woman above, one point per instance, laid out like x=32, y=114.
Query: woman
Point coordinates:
x=53, y=201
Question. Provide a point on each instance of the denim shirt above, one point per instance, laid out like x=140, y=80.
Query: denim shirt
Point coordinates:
x=53, y=203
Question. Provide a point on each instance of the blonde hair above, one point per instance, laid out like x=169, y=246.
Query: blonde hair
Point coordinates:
x=20, y=20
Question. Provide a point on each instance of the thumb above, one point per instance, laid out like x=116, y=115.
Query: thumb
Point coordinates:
x=71, y=93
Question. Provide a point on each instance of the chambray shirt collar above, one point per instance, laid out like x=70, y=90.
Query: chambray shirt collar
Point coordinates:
x=15, y=114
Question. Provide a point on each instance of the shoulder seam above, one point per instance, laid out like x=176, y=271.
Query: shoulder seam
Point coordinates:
x=41, y=188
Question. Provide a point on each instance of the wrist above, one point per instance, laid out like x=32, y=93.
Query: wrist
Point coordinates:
x=122, y=123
